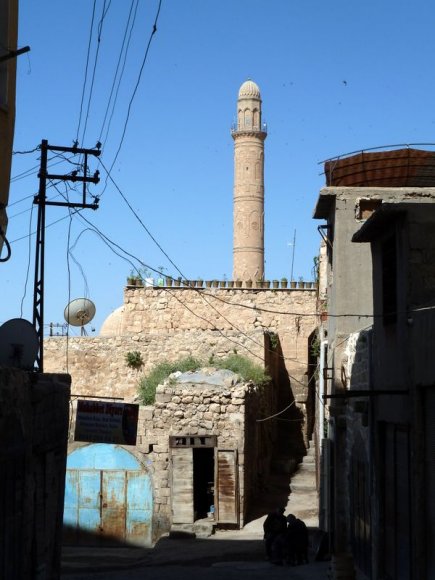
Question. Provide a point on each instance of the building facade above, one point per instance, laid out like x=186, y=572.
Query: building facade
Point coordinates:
x=401, y=403
x=356, y=188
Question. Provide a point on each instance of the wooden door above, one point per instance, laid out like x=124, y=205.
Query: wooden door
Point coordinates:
x=182, y=486
x=226, y=486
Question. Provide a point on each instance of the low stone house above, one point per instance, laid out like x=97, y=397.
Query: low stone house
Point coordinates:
x=208, y=447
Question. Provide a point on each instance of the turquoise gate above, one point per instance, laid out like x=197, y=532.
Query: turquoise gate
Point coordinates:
x=108, y=497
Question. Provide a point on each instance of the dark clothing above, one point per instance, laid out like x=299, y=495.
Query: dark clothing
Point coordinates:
x=297, y=542
x=274, y=525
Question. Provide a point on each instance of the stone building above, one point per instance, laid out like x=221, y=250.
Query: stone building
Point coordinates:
x=209, y=446
x=211, y=426
x=356, y=187
x=249, y=135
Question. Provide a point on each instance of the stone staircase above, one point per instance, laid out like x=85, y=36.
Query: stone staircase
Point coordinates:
x=303, y=500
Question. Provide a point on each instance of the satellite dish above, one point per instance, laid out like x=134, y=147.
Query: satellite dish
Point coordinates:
x=79, y=312
x=19, y=344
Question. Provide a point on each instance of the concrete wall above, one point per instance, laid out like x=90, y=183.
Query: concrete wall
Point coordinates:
x=404, y=362
x=350, y=281
x=33, y=432
x=349, y=300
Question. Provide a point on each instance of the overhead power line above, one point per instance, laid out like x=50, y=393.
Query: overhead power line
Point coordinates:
x=154, y=30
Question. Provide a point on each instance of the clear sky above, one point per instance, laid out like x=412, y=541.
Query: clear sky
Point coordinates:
x=335, y=77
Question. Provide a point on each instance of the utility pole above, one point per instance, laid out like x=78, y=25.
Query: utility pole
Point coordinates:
x=41, y=201
x=293, y=254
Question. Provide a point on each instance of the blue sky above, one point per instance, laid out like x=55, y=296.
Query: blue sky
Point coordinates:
x=334, y=76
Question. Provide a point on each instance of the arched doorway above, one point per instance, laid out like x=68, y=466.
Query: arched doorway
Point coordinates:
x=108, y=497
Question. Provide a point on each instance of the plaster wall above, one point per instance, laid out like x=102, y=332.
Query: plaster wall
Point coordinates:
x=349, y=292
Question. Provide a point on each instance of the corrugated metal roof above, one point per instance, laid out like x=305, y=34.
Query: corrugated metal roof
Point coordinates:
x=399, y=168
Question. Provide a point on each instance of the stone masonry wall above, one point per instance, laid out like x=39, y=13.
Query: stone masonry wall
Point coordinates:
x=169, y=323
x=227, y=411
x=34, y=413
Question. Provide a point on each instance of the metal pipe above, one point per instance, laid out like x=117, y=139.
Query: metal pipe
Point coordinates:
x=323, y=346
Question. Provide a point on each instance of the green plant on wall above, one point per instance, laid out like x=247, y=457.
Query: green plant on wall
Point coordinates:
x=134, y=359
x=248, y=370
x=149, y=383
x=315, y=347
x=273, y=340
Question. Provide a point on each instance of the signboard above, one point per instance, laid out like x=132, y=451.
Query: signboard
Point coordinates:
x=105, y=422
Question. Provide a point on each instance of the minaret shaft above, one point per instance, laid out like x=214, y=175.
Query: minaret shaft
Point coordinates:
x=248, y=240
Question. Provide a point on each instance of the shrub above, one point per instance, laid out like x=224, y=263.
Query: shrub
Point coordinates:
x=149, y=383
x=134, y=359
x=248, y=371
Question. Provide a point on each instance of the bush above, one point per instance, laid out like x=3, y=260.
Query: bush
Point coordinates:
x=149, y=383
x=244, y=367
x=248, y=371
x=134, y=359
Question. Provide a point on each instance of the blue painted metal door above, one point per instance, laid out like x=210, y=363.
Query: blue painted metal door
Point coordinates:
x=113, y=504
x=139, y=506
x=89, y=484
x=109, y=504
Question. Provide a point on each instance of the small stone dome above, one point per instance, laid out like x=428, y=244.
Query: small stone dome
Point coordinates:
x=249, y=89
x=114, y=323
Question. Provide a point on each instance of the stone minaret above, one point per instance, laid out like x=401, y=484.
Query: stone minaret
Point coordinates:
x=249, y=134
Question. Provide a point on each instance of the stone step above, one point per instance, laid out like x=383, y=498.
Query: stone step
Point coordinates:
x=306, y=467
x=302, y=487
x=203, y=528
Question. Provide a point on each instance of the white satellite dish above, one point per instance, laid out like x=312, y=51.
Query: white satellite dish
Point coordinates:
x=79, y=312
x=19, y=344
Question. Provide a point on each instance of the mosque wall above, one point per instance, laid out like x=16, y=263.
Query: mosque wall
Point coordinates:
x=169, y=323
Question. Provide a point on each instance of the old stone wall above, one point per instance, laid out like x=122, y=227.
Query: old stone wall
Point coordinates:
x=34, y=413
x=228, y=411
x=169, y=323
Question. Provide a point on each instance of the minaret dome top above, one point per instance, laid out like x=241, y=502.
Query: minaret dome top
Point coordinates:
x=249, y=89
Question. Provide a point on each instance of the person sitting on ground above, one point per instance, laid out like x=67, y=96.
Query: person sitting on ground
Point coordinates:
x=274, y=525
x=297, y=541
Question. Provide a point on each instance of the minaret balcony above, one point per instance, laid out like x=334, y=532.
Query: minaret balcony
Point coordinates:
x=239, y=129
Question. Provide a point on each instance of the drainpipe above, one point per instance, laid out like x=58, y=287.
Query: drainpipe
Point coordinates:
x=324, y=497
x=323, y=346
